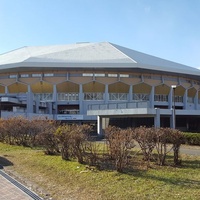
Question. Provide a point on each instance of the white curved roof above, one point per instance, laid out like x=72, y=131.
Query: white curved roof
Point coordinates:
x=101, y=55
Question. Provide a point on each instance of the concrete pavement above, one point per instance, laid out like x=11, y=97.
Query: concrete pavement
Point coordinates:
x=10, y=189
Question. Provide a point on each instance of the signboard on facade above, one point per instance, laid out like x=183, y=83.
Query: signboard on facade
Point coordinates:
x=69, y=117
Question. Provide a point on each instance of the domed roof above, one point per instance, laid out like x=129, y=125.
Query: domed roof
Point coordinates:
x=102, y=55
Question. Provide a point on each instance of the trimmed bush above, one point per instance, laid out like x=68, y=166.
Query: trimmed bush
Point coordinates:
x=192, y=138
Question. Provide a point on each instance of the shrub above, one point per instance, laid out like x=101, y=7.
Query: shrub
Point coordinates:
x=119, y=142
x=146, y=139
x=192, y=138
x=73, y=140
x=15, y=130
x=46, y=136
x=162, y=138
x=176, y=138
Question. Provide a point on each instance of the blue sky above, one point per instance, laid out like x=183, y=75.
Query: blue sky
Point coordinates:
x=168, y=29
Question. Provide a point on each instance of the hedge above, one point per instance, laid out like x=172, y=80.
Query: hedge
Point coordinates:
x=192, y=138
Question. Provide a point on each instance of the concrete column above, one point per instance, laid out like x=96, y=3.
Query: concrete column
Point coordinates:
x=196, y=100
x=37, y=103
x=170, y=98
x=185, y=99
x=157, y=118
x=49, y=104
x=54, y=100
x=106, y=94
x=151, y=99
x=81, y=96
x=142, y=78
x=130, y=93
x=6, y=89
x=99, y=125
x=30, y=100
x=54, y=93
x=173, y=119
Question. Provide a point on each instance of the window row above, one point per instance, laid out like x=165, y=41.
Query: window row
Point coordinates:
x=98, y=96
x=72, y=75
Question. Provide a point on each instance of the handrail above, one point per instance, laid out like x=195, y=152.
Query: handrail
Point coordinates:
x=126, y=105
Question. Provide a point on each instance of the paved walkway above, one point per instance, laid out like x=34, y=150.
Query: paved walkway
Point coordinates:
x=10, y=189
x=190, y=150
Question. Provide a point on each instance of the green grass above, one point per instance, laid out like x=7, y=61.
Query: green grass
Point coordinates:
x=65, y=180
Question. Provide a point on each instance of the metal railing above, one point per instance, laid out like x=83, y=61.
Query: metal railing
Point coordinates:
x=93, y=96
x=69, y=112
x=118, y=96
x=140, y=97
x=68, y=96
x=129, y=105
x=161, y=97
x=44, y=96
x=178, y=99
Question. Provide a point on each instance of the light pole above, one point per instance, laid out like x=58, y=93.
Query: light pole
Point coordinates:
x=0, y=107
x=174, y=113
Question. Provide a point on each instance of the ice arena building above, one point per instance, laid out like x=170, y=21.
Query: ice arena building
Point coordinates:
x=99, y=83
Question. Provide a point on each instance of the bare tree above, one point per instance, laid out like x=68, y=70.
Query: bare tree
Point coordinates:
x=120, y=143
x=146, y=139
x=162, y=141
x=46, y=136
x=72, y=139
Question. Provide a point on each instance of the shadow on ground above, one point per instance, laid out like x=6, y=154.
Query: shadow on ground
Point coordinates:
x=4, y=162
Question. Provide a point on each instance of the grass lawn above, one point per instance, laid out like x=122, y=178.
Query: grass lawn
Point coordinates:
x=70, y=180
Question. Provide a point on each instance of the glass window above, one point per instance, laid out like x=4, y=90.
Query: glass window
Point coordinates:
x=24, y=75
x=99, y=75
x=112, y=75
x=124, y=75
x=13, y=76
x=36, y=75
x=47, y=75
x=87, y=74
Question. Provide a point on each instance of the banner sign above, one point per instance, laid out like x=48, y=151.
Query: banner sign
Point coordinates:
x=69, y=117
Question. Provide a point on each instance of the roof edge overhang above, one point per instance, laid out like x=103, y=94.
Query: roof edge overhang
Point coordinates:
x=88, y=66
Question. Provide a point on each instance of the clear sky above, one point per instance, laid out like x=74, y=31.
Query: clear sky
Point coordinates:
x=168, y=29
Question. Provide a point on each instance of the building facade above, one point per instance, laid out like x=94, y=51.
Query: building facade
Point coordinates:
x=83, y=82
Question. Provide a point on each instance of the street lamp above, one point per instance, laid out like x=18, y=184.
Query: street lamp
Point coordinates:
x=0, y=107
x=174, y=113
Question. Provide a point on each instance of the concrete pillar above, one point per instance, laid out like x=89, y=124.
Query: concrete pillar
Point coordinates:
x=196, y=100
x=106, y=94
x=54, y=100
x=30, y=100
x=81, y=98
x=37, y=104
x=130, y=93
x=185, y=99
x=151, y=98
x=6, y=89
x=170, y=98
x=54, y=93
x=49, y=104
x=157, y=118
x=99, y=125
x=173, y=119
